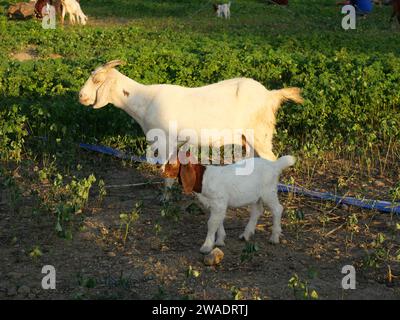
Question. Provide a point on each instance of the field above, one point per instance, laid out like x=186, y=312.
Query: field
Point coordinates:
x=64, y=206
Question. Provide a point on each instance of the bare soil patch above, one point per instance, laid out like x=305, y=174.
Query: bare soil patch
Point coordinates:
x=31, y=53
x=159, y=252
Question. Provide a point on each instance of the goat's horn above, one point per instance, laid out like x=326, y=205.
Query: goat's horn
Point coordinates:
x=112, y=64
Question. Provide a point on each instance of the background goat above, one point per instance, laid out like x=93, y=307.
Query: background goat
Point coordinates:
x=73, y=8
x=223, y=10
x=40, y=4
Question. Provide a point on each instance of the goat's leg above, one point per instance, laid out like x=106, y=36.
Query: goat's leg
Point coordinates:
x=261, y=142
x=62, y=15
x=221, y=234
x=164, y=156
x=272, y=201
x=214, y=222
x=264, y=148
x=168, y=183
x=257, y=210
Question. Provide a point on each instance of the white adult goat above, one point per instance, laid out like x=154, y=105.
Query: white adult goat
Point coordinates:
x=239, y=105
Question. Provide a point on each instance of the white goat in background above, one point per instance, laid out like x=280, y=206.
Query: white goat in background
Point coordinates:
x=235, y=104
x=223, y=10
x=73, y=8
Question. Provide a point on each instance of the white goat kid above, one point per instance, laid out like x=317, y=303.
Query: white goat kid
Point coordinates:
x=237, y=104
x=223, y=10
x=219, y=187
x=73, y=8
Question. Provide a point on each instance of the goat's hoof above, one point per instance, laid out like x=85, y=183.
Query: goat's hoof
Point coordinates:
x=164, y=198
x=274, y=239
x=205, y=249
x=220, y=243
x=244, y=237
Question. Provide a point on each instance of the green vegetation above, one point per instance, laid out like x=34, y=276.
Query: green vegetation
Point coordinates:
x=127, y=219
x=301, y=289
x=349, y=78
x=248, y=252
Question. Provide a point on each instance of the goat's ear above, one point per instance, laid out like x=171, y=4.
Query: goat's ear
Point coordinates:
x=171, y=170
x=188, y=178
x=103, y=93
x=112, y=64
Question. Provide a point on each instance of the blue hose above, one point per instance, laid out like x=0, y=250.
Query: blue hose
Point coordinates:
x=112, y=152
x=383, y=206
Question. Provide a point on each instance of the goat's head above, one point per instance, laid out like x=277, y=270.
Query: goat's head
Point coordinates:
x=97, y=89
x=83, y=19
x=190, y=174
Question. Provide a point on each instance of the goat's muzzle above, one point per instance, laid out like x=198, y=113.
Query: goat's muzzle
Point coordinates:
x=83, y=99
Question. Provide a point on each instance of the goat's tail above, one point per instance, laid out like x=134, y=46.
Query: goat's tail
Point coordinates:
x=292, y=94
x=284, y=162
x=285, y=94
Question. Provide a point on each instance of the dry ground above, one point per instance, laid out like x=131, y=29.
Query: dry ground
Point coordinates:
x=155, y=260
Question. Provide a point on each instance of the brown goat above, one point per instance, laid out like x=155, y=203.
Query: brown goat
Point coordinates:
x=40, y=4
